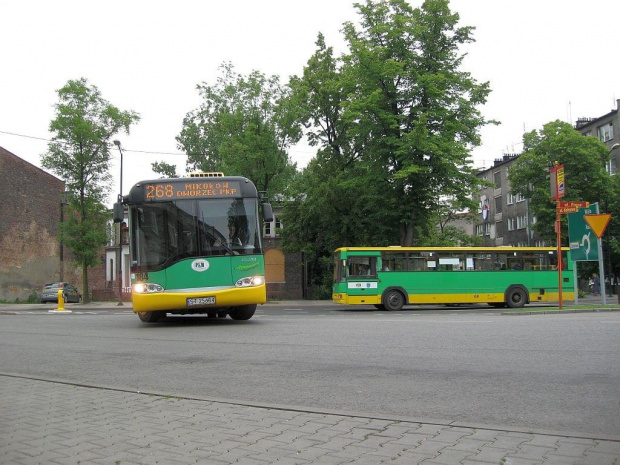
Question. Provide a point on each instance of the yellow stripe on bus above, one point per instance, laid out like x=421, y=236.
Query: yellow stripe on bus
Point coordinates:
x=426, y=299
x=178, y=301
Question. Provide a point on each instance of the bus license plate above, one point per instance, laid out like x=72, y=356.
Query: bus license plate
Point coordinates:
x=200, y=301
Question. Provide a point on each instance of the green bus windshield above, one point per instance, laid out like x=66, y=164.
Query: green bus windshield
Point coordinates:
x=165, y=232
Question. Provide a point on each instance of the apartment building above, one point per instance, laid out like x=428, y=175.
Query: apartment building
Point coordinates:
x=607, y=129
x=503, y=218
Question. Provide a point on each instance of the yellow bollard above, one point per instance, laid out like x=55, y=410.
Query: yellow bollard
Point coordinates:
x=61, y=304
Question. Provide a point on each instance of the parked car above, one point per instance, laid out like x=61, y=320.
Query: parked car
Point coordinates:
x=69, y=293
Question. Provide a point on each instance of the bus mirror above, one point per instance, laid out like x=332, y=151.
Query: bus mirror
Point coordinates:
x=118, y=213
x=267, y=213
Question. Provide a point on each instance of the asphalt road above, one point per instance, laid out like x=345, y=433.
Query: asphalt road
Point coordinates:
x=547, y=372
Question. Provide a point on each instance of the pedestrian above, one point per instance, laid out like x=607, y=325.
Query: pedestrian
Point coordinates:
x=596, y=288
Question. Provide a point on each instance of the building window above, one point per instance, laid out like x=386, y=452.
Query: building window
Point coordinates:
x=487, y=229
x=497, y=178
x=479, y=229
x=271, y=229
x=499, y=229
x=605, y=132
x=510, y=198
x=610, y=166
x=511, y=224
x=521, y=222
x=520, y=197
x=498, y=204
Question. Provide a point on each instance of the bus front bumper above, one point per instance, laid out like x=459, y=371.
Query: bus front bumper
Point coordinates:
x=199, y=301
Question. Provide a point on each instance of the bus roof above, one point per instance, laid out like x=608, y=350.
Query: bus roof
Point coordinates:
x=449, y=249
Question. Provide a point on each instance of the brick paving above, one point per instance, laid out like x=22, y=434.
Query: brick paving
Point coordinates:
x=44, y=422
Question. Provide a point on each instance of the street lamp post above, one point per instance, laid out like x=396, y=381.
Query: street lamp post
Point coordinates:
x=120, y=233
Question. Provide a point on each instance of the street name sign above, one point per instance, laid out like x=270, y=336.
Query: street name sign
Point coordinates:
x=570, y=206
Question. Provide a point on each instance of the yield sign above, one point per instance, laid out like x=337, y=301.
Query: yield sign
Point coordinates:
x=598, y=223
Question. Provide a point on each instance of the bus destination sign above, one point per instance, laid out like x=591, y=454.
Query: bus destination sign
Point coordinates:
x=175, y=190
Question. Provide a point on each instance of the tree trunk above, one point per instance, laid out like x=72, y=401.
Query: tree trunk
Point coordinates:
x=85, y=296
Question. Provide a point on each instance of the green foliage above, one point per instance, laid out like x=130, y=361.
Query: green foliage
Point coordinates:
x=612, y=233
x=584, y=171
x=79, y=153
x=165, y=169
x=244, y=126
x=394, y=120
x=414, y=108
x=82, y=129
x=84, y=234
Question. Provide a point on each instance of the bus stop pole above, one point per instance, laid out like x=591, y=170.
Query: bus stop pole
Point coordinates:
x=601, y=271
x=575, y=283
x=558, y=232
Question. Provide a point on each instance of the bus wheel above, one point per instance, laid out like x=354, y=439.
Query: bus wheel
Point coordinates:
x=151, y=317
x=244, y=312
x=393, y=300
x=516, y=297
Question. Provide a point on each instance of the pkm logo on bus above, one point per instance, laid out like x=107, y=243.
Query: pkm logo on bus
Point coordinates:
x=200, y=265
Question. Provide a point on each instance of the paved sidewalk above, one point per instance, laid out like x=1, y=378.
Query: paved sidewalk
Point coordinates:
x=45, y=422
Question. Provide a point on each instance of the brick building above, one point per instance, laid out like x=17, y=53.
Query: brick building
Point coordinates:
x=284, y=272
x=30, y=252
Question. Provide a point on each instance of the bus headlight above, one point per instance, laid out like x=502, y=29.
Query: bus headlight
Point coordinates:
x=250, y=281
x=147, y=288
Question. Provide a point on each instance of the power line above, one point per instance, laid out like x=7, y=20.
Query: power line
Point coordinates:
x=111, y=145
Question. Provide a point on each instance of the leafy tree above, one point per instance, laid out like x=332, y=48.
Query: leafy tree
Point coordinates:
x=79, y=153
x=244, y=126
x=415, y=110
x=448, y=213
x=394, y=120
x=612, y=232
x=165, y=169
x=584, y=171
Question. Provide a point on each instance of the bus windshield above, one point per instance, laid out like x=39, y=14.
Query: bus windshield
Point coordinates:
x=167, y=232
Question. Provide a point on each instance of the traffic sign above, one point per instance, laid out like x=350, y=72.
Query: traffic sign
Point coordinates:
x=582, y=240
x=598, y=223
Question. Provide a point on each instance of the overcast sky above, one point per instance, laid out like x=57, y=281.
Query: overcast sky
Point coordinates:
x=545, y=60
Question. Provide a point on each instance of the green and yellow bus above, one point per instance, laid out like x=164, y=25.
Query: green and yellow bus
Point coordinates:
x=391, y=277
x=195, y=247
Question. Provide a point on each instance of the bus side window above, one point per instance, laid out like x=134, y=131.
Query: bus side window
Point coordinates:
x=362, y=267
